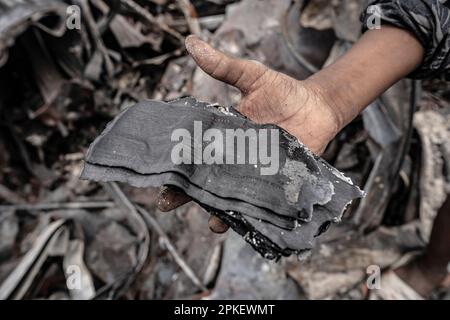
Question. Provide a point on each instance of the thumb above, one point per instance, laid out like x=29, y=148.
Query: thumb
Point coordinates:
x=240, y=73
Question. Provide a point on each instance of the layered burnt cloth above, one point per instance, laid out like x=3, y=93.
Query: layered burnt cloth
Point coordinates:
x=428, y=20
x=279, y=214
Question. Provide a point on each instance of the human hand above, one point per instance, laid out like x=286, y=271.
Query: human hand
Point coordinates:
x=300, y=107
x=316, y=109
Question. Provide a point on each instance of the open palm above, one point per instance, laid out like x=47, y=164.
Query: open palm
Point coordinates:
x=267, y=97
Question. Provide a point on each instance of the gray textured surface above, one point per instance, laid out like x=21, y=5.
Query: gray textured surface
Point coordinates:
x=277, y=214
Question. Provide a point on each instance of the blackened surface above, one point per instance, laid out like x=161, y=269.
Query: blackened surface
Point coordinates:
x=277, y=214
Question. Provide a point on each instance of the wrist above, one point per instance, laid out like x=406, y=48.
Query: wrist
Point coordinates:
x=375, y=63
x=315, y=122
x=331, y=100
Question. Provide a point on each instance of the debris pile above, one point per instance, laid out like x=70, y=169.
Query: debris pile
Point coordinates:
x=62, y=85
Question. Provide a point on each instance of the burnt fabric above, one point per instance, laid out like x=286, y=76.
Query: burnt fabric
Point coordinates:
x=278, y=207
x=428, y=20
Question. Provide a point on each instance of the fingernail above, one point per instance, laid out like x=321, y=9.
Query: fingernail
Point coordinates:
x=188, y=42
x=163, y=203
x=216, y=225
x=198, y=48
x=190, y=37
x=170, y=198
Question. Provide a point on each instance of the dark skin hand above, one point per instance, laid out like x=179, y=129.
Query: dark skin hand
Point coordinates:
x=316, y=109
x=267, y=97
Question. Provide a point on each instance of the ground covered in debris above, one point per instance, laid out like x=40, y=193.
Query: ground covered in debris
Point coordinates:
x=63, y=86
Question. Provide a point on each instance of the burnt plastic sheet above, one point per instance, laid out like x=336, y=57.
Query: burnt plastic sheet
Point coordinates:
x=278, y=206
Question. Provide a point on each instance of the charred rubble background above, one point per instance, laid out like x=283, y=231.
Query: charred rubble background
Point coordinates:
x=60, y=87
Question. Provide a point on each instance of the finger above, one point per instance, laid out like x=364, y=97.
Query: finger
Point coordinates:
x=170, y=198
x=240, y=73
x=216, y=225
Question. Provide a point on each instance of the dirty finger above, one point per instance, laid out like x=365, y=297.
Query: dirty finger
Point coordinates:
x=217, y=225
x=170, y=198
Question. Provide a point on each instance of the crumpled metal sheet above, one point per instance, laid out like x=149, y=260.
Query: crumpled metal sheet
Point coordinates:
x=277, y=214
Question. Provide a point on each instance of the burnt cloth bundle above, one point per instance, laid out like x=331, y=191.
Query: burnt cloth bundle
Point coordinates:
x=279, y=212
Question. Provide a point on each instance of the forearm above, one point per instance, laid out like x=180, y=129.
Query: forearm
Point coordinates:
x=377, y=61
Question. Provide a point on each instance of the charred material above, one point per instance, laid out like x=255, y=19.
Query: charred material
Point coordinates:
x=278, y=213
